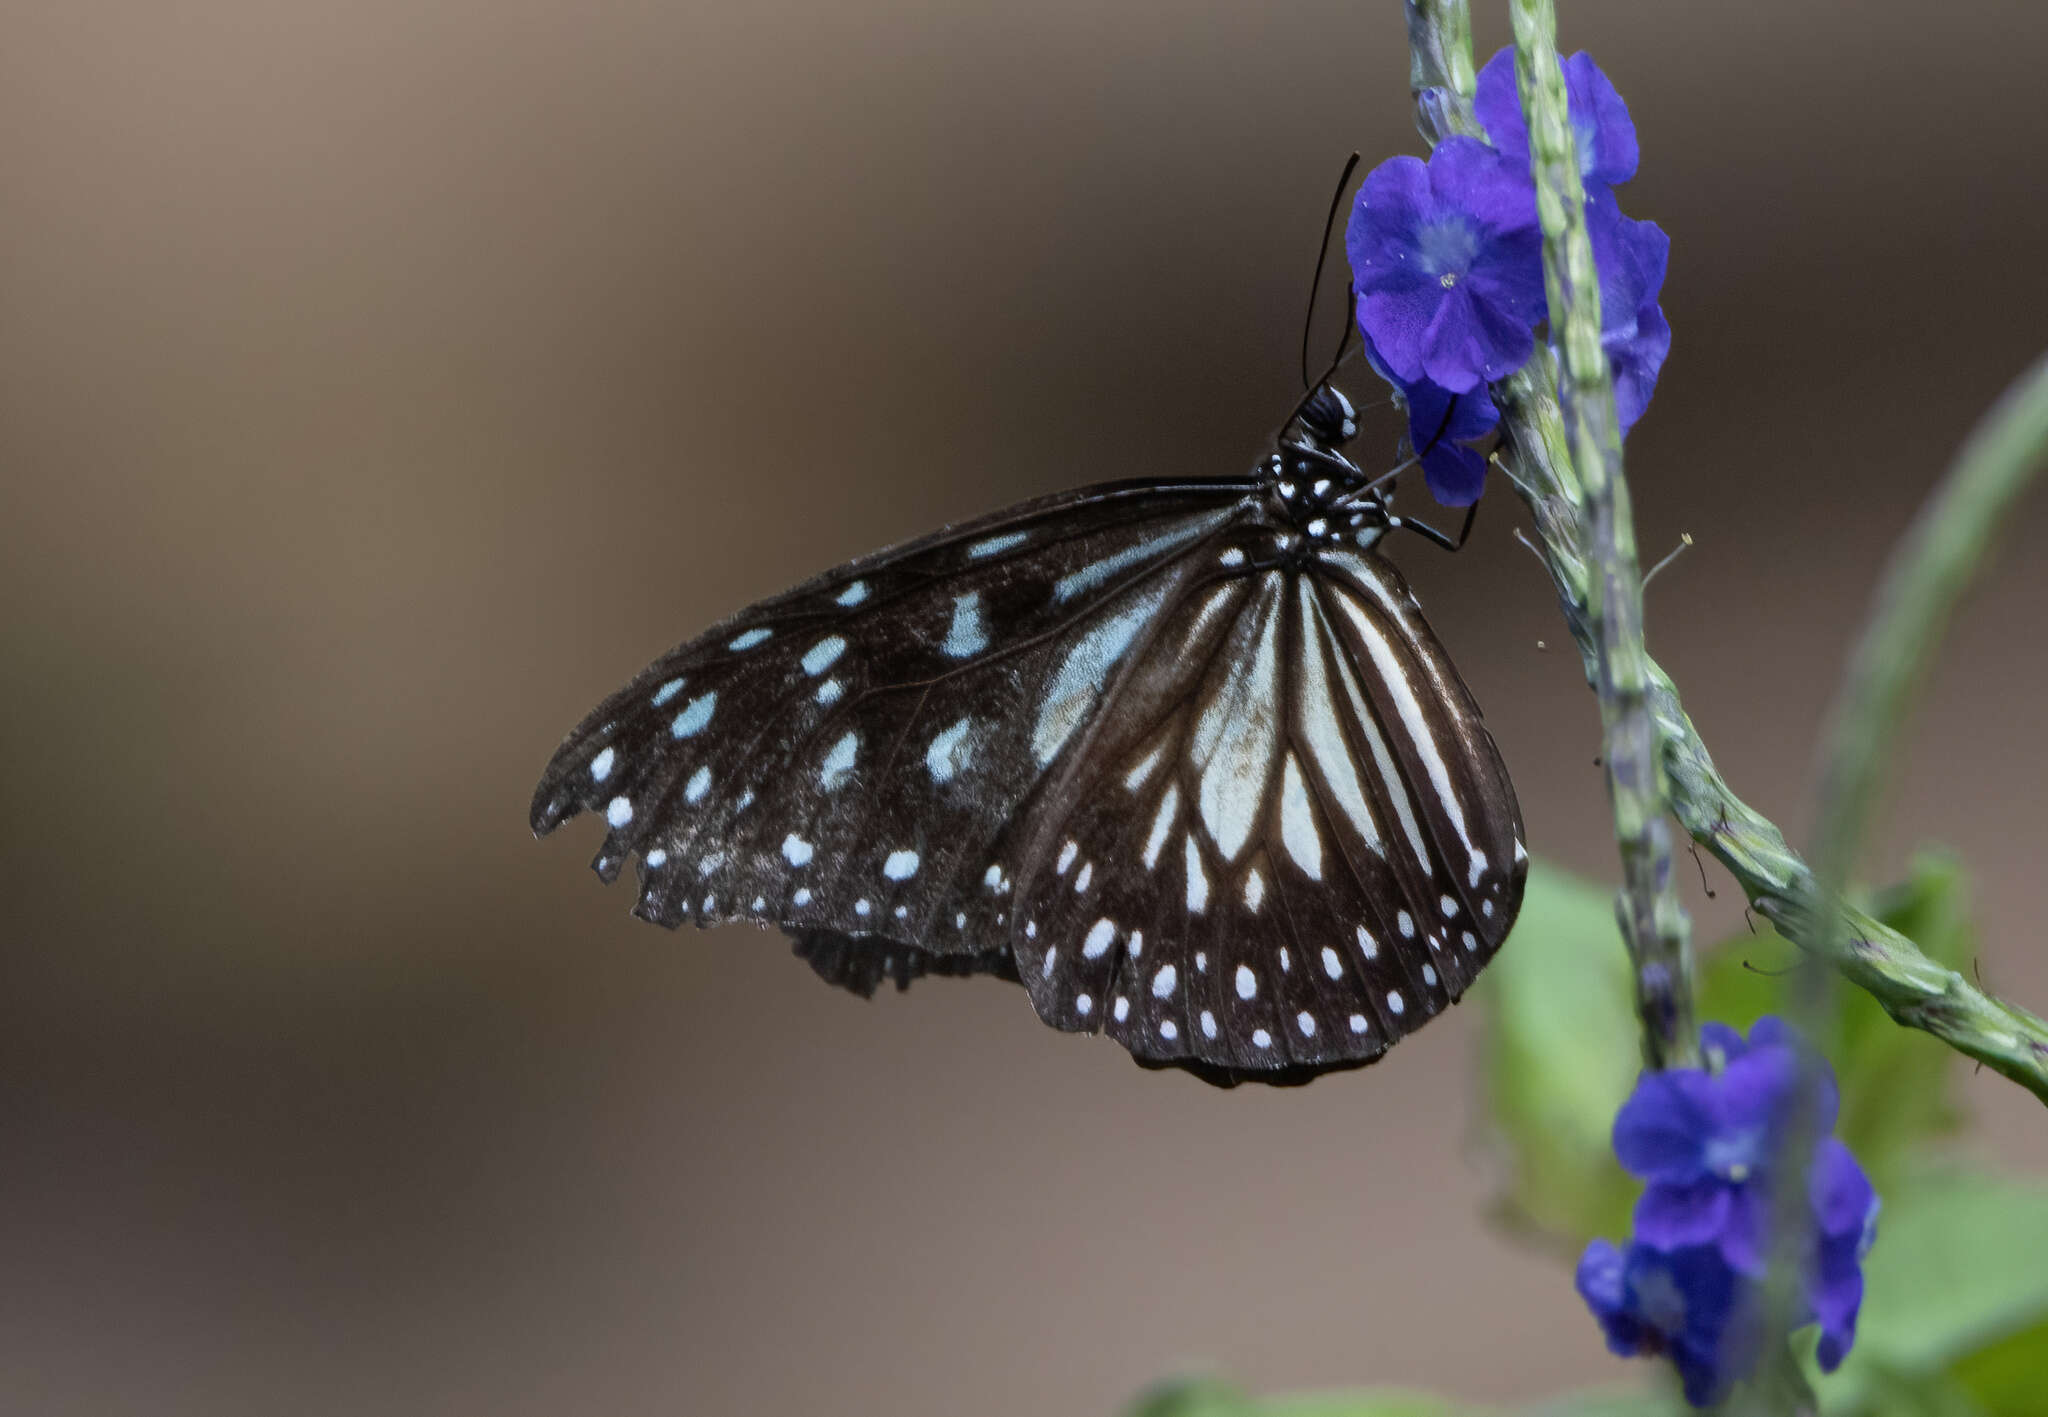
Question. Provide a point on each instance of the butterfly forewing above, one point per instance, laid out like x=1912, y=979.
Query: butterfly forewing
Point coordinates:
x=1224, y=801
x=840, y=756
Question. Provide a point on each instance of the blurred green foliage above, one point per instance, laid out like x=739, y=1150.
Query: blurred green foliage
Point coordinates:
x=1955, y=1315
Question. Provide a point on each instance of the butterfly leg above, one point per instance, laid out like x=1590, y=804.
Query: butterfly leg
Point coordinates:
x=1429, y=533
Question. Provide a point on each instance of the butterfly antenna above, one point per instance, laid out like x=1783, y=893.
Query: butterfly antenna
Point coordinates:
x=1315, y=284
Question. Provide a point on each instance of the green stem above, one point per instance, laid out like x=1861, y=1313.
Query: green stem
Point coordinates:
x=1913, y=989
x=1948, y=543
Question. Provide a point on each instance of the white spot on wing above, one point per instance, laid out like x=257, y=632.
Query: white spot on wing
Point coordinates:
x=1122, y=1009
x=1394, y=1002
x=900, y=866
x=802, y=896
x=657, y=858
x=968, y=634
x=1368, y=944
x=796, y=851
x=1407, y=924
x=994, y=545
x=1137, y=776
x=1096, y=572
x=1098, y=941
x=950, y=752
x=697, y=786
x=853, y=594
x=823, y=655
x=839, y=763
x=1332, y=966
x=1254, y=889
x=1297, y=822
x=1162, y=823
x=1261, y=1038
x=1072, y=690
x=1358, y=1023
x=1136, y=944
x=1208, y=1024
x=1394, y=676
x=1087, y=874
x=1083, y=1004
x=1067, y=855
x=666, y=692
x=1198, y=880
x=829, y=691
x=1168, y=1029
x=1235, y=740
x=1306, y=1023
x=696, y=713
x=751, y=638
x=619, y=812
x=1164, y=980
x=601, y=765
x=1478, y=868
x=1247, y=982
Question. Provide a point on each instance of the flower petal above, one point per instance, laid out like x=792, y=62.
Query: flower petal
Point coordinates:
x=1660, y=1133
x=1670, y=1216
x=1605, y=134
x=1601, y=128
x=1743, y=1235
x=1602, y=1282
x=1468, y=176
x=1844, y=1203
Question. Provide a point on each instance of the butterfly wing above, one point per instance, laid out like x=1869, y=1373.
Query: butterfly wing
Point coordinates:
x=1286, y=840
x=1243, y=818
x=838, y=758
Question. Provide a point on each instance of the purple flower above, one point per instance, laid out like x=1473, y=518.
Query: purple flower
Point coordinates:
x=1447, y=265
x=1705, y=1140
x=1631, y=257
x=1845, y=1224
x=1709, y=1141
x=1440, y=424
x=1684, y=1305
x=1601, y=129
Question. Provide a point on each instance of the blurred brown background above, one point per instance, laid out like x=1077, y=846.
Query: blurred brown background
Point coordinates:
x=382, y=383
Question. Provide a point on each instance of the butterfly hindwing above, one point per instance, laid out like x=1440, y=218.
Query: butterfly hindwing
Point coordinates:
x=1289, y=842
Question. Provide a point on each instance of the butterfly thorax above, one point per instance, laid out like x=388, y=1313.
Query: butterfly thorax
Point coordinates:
x=1320, y=496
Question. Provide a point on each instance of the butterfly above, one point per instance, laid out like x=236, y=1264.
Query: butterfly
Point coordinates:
x=1179, y=756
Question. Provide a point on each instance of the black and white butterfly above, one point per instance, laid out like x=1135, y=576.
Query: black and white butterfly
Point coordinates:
x=1179, y=756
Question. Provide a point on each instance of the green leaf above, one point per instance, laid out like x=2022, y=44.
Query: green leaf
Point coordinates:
x=1957, y=1275
x=1894, y=1080
x=1560, y=1055
x=2008, y=1378
x=1192, y=1397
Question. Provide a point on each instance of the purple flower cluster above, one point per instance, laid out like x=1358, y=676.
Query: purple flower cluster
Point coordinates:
x=1709, y=1143
x=1447, y=270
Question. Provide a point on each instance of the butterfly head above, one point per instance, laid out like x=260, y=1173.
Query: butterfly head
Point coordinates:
x=1328, y=417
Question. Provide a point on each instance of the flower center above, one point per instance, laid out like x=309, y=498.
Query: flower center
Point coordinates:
x=1447, y=246
x=1447, y=279
x=1731, y=1156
